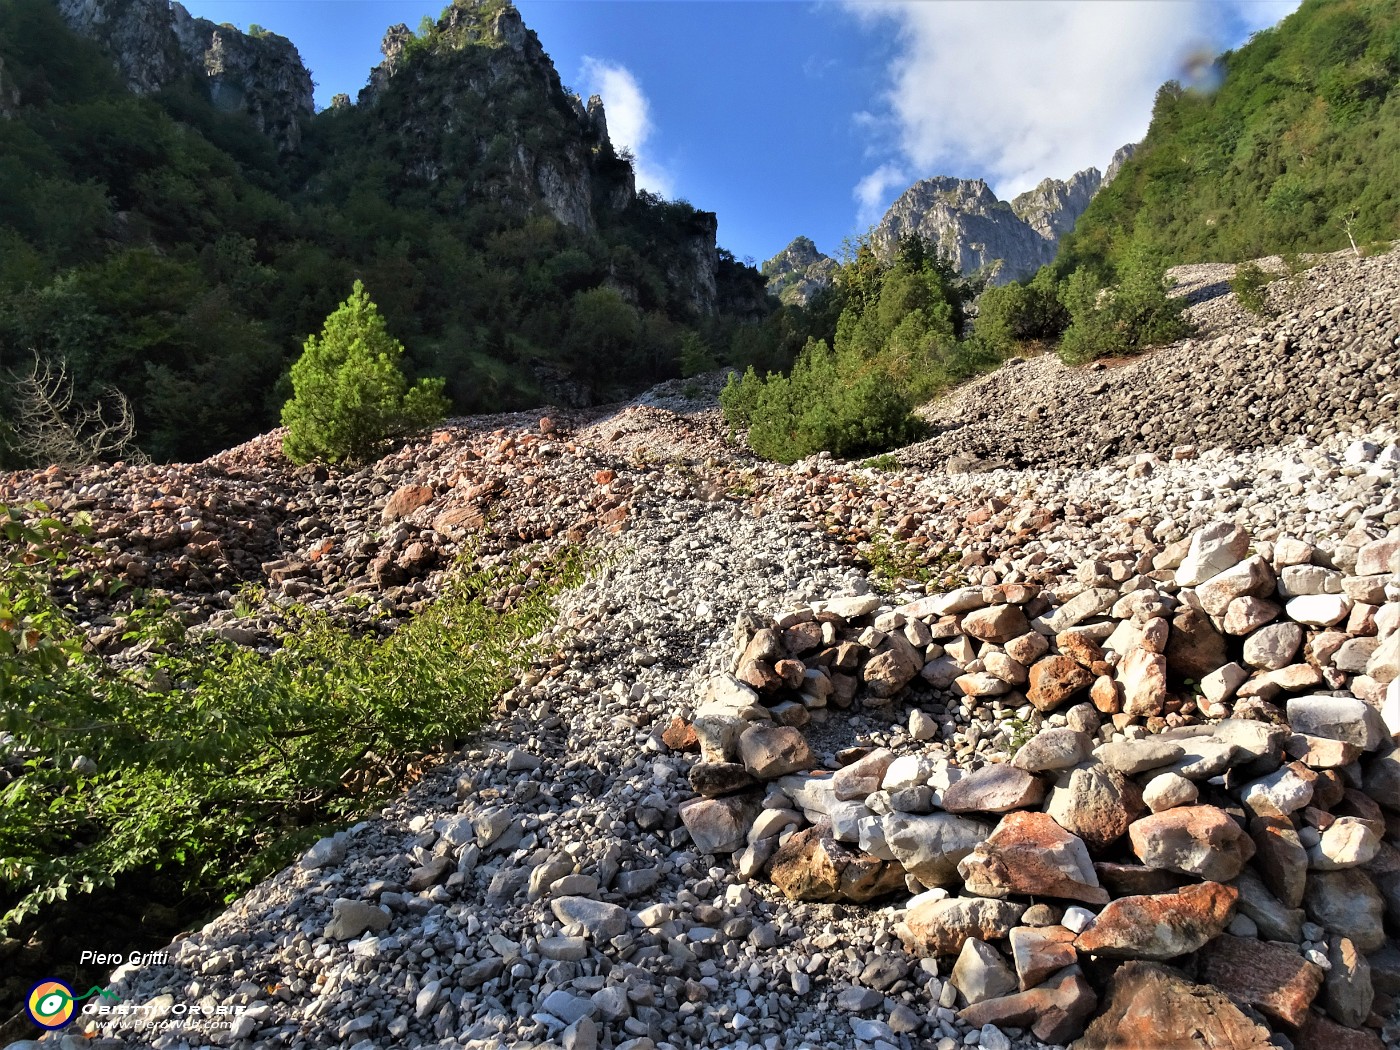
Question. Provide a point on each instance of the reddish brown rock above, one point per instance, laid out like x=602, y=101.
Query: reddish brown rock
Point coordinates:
x=1153, y=1007
x=1265, y=974
x=1143, y=675
x=405, y=501
x=1160, y=925
x=993, y=789
x=1054, y=679
x=1056, y=1010
x=1194, y=840
x=812, y=866
x=1319, y=1033
x=997, y=624
x=1039, y=951
x=1030, y=854
x=1195, y=648
x=941, y=927
x=680, y=736
x=1084, y=651
x=1282, y=860
x=1106, y=695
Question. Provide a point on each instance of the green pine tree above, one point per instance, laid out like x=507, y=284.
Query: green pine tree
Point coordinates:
x=349, y=394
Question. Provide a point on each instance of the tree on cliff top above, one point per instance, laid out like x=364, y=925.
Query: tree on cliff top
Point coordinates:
x=349, y=394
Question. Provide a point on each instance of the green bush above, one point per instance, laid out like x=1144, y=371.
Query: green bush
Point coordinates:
x=834, y=401
x=1121, y=318
x=213, y=762
x=349, y=395
x=1249, y=285
x=1018, y=313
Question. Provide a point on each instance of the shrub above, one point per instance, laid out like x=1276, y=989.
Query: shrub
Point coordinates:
x=213, y=764
x=835, y=401
x=1128, y=316
x=349, y=395
x=1017, y=313
x=1249, y=284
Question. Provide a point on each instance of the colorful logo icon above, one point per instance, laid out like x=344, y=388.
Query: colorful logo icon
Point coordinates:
x=51, y=1003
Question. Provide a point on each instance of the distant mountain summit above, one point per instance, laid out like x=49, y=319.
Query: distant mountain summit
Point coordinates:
x=1006, y=240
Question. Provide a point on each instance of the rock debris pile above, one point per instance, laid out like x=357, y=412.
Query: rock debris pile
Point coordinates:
x=1192, y=792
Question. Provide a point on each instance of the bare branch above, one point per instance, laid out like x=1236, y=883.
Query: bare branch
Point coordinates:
x=49, y=428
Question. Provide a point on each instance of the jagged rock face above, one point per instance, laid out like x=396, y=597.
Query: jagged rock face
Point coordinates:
x=799, y=272
x=1120, y=157
x=1053, y=207
x=485, y=81
x=156, y=43
x=966, y=222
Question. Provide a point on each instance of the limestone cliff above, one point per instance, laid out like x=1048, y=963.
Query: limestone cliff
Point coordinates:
x=1120, y=157
x=157, y=43
x=1053, y=207
x=477, y=102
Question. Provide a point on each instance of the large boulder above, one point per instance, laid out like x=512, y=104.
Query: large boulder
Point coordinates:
x=1152, y=1007
x=1031, y=855
x=1160, y=925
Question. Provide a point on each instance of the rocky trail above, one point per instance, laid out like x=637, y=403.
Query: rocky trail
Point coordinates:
x=1103, y=754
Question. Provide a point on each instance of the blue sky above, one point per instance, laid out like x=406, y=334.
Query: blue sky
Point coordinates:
x=788, y=117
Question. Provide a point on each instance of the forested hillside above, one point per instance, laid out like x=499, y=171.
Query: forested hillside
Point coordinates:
x=162, y=247
x=1298, y=149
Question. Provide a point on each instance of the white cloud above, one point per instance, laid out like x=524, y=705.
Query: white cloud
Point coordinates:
x=872, y=192
x=1019, y=90
x=629, y=120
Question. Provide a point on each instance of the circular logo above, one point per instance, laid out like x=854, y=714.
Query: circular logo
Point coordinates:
x=50, y=1004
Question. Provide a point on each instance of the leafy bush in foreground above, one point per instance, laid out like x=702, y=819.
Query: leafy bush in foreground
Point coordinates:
x=212, y=760
x=1120, y=318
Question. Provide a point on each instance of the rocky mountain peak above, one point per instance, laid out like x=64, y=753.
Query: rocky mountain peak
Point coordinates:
x=1053, y=207
x=156, y=43
x=798, y=272
x=1121, y=156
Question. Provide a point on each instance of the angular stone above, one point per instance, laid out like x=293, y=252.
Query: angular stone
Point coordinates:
x=1054, y=679
x=997, y=624
x=1318, y=610
x=888, y=672
x=1161, y=925
x=1138, y=756
x=1097, y=804
x=994, y=789
x=1347, y=903
x=1282, y=860
x=725, y=697
x=863, y=776
x=1167, y=791
x=770, y=751
x=813, y=866
x=1275, y=921
x=1272, y=647
x=680, y=736
x=1348, y=993
x=1055, y=1011
x=1223, y=682
x=1053, y=748
x=1338, y=718
x=1273, y=978
x=1106, y=695
x=1143, y=675
x=600, y=920
x=1030, y=854
x=1345, y=843
x=1318, y=752
x=1147, y=1003
x=941, y=927
x=1251, y=578
x=1193, y=840
x=1135, y=880
x=1245, y=615
x=715, y=779
x=351, y=918
x=1280, y=793
x=930, y=847
x=1195, y=648
x=981, y=683
x=405, y=501
x=1087, y=603
x=1039, y=951
x=1384, y=665
x=719, y=825
x=1382, y=779
x=981, y=973
x=1212, y=550
x=1378, y=556
x=1319, y=1033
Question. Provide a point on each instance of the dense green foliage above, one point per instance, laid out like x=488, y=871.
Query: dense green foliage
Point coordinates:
x=1133, y=313
x=882, y=339
x=1300, y=141
x=210, y=761
x=1022, y=312
x=1249, y=285
x=348, y=393
x=161, y=247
